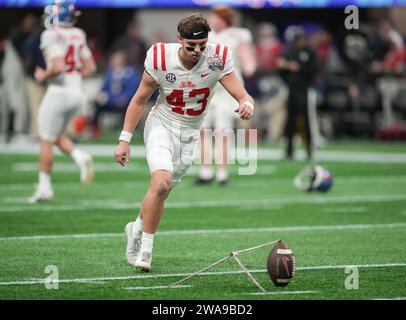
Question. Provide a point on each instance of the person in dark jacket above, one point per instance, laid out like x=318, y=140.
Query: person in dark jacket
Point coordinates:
x=298, y=66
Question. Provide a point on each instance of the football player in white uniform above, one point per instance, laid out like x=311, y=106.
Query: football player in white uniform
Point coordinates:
x=185, y=73
x=220, y=114
x=68, y=58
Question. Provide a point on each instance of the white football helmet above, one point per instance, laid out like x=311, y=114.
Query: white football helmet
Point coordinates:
x=313, y=178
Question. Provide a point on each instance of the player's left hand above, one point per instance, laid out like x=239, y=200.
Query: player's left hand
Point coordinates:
x=39, y=74
x=245, y=111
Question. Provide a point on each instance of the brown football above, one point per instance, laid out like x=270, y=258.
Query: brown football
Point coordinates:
x=281, y=264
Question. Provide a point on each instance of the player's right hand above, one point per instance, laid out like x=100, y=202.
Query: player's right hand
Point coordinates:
x=122, y=153
x=39, y=74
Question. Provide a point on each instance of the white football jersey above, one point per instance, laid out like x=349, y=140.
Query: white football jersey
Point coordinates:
x=232, y=37
x=184, y=95
x=69, y=43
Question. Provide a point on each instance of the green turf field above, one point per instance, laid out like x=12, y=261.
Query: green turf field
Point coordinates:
x=361, y=222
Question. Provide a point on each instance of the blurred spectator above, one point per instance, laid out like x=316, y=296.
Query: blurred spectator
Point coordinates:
x=391, y=44
x=268, y=47
x=395, y=58
x=19, y=35
x=299, y=66
x=13, y=100
x=271, y=105
x=329, y=61
x=33, y=58
x=134, y=46
x=120, y=83
x=321, y=41
x=93, y=44
x=3, y=110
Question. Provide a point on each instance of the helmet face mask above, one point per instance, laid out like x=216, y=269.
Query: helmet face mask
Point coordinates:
x=62, y=13
x=313, y=178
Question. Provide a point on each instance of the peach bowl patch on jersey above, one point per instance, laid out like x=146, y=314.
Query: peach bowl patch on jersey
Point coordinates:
x=215, y=62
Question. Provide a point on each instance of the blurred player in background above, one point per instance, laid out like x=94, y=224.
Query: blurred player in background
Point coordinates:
x=185, y=74
x=67, y=59
x=221, y=113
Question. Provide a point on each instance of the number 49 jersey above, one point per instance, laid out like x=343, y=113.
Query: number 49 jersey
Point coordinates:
x=184, y=95
x=70, y=44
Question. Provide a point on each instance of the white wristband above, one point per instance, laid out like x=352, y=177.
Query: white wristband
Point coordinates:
x=249, y=104
x=125, y=136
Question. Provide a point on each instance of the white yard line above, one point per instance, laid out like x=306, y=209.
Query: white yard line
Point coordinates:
x=171, y=275
x=196, y=232
x=157, y=287
x=114, y=167
x=344, y=210
x=275, y=293
x=116, y=204
x=395, y=298
x=13, y=200
x=262, y=153
x=12, y=187
x=72, y=167
x=250, y=181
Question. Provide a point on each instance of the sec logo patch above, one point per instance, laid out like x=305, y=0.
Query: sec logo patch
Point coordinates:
x=170, y=77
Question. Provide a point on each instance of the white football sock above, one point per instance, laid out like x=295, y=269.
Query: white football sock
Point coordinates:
x=222, y=174
x=78, y=156
x=206, y=173
x=147, y=242
x=44, y=180
x=138, y=228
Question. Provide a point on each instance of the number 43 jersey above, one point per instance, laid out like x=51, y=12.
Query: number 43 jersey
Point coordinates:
x=70, y=44
x=184, y=95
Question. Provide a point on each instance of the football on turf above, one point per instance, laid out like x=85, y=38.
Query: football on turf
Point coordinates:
x=281, y=264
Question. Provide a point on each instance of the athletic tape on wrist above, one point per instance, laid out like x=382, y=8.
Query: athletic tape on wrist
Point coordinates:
x=125, y=136
x=249, y=104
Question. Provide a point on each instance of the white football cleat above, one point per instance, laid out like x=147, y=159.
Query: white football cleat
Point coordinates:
x=143, y=262
x=86, y=170
x=41, y=195
x=133, y=245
